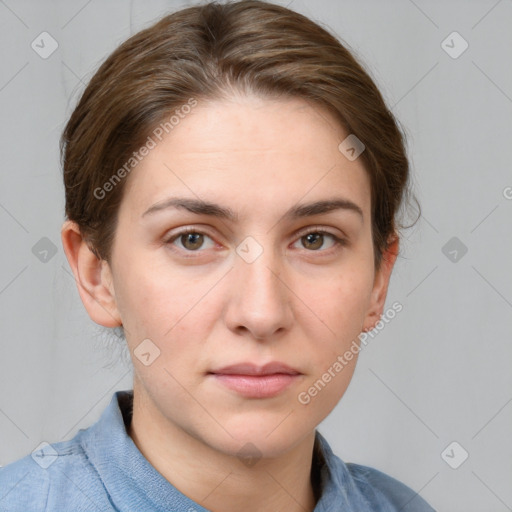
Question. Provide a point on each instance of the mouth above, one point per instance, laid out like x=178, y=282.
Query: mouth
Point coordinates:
x=252, y=381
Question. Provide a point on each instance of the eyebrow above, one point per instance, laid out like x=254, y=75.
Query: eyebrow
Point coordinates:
x=201, y=207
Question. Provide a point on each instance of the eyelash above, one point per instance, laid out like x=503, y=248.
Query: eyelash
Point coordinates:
x=338, y=242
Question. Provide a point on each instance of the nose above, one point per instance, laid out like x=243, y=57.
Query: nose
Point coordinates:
x=260, y=301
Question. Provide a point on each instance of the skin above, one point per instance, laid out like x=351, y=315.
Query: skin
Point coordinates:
x=299, y=302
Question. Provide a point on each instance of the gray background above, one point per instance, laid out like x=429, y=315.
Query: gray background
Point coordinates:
x=438, y=373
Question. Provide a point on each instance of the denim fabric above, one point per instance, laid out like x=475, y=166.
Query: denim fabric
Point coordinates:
x=101, y=470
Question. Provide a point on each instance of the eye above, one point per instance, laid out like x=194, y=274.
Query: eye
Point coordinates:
x=313, y=240
x=191, y=240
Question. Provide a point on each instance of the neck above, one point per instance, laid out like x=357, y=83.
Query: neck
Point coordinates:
x=219, y=481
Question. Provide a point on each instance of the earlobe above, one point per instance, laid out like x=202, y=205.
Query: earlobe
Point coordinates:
x=93, y=277
x=380, y=285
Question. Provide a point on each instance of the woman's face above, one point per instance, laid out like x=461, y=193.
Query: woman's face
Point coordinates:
x=266, y=281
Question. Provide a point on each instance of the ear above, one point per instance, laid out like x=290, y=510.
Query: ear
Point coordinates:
x=380, y=284
x=93, y=277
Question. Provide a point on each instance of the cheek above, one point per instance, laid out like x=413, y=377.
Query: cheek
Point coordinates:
x=145, y=298
x=342, y=300
x=334, y=347
x=339, y=306
x=161, y=304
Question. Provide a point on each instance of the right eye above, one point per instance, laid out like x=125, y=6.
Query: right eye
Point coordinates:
x=191, y=240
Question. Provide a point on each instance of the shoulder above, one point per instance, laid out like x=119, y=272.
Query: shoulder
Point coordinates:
x=378, y=487
x=23, y=486
x=56, y=477
x=362, y=487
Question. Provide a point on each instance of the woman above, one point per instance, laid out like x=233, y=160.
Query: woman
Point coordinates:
x=232, y=179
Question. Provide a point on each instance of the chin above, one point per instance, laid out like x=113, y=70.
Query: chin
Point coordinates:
x=258, y=438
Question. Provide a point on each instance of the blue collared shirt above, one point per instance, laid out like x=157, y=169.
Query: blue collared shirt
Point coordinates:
x=101, y=469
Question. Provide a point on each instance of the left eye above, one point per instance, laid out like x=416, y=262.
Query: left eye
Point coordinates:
x=314, y=240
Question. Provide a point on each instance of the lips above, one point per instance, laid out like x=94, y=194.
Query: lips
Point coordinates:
x=252, y=381
x=252, y=369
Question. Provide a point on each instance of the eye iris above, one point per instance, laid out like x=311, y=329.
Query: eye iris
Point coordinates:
x=193, y=241
x=192, y=237
x=317, y=237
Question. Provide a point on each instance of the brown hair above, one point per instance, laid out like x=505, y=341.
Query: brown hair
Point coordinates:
x=205, y=52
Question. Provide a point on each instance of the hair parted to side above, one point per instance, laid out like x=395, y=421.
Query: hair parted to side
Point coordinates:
x=207, y=52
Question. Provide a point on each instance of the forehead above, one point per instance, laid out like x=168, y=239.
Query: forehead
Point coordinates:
x=249, y=151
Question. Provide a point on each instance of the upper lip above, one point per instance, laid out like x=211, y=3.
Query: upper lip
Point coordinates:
x=253, y=369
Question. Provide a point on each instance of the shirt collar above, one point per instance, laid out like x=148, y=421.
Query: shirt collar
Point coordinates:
x=131, y=479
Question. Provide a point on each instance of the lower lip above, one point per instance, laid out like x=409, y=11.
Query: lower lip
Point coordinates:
x=257, y=386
